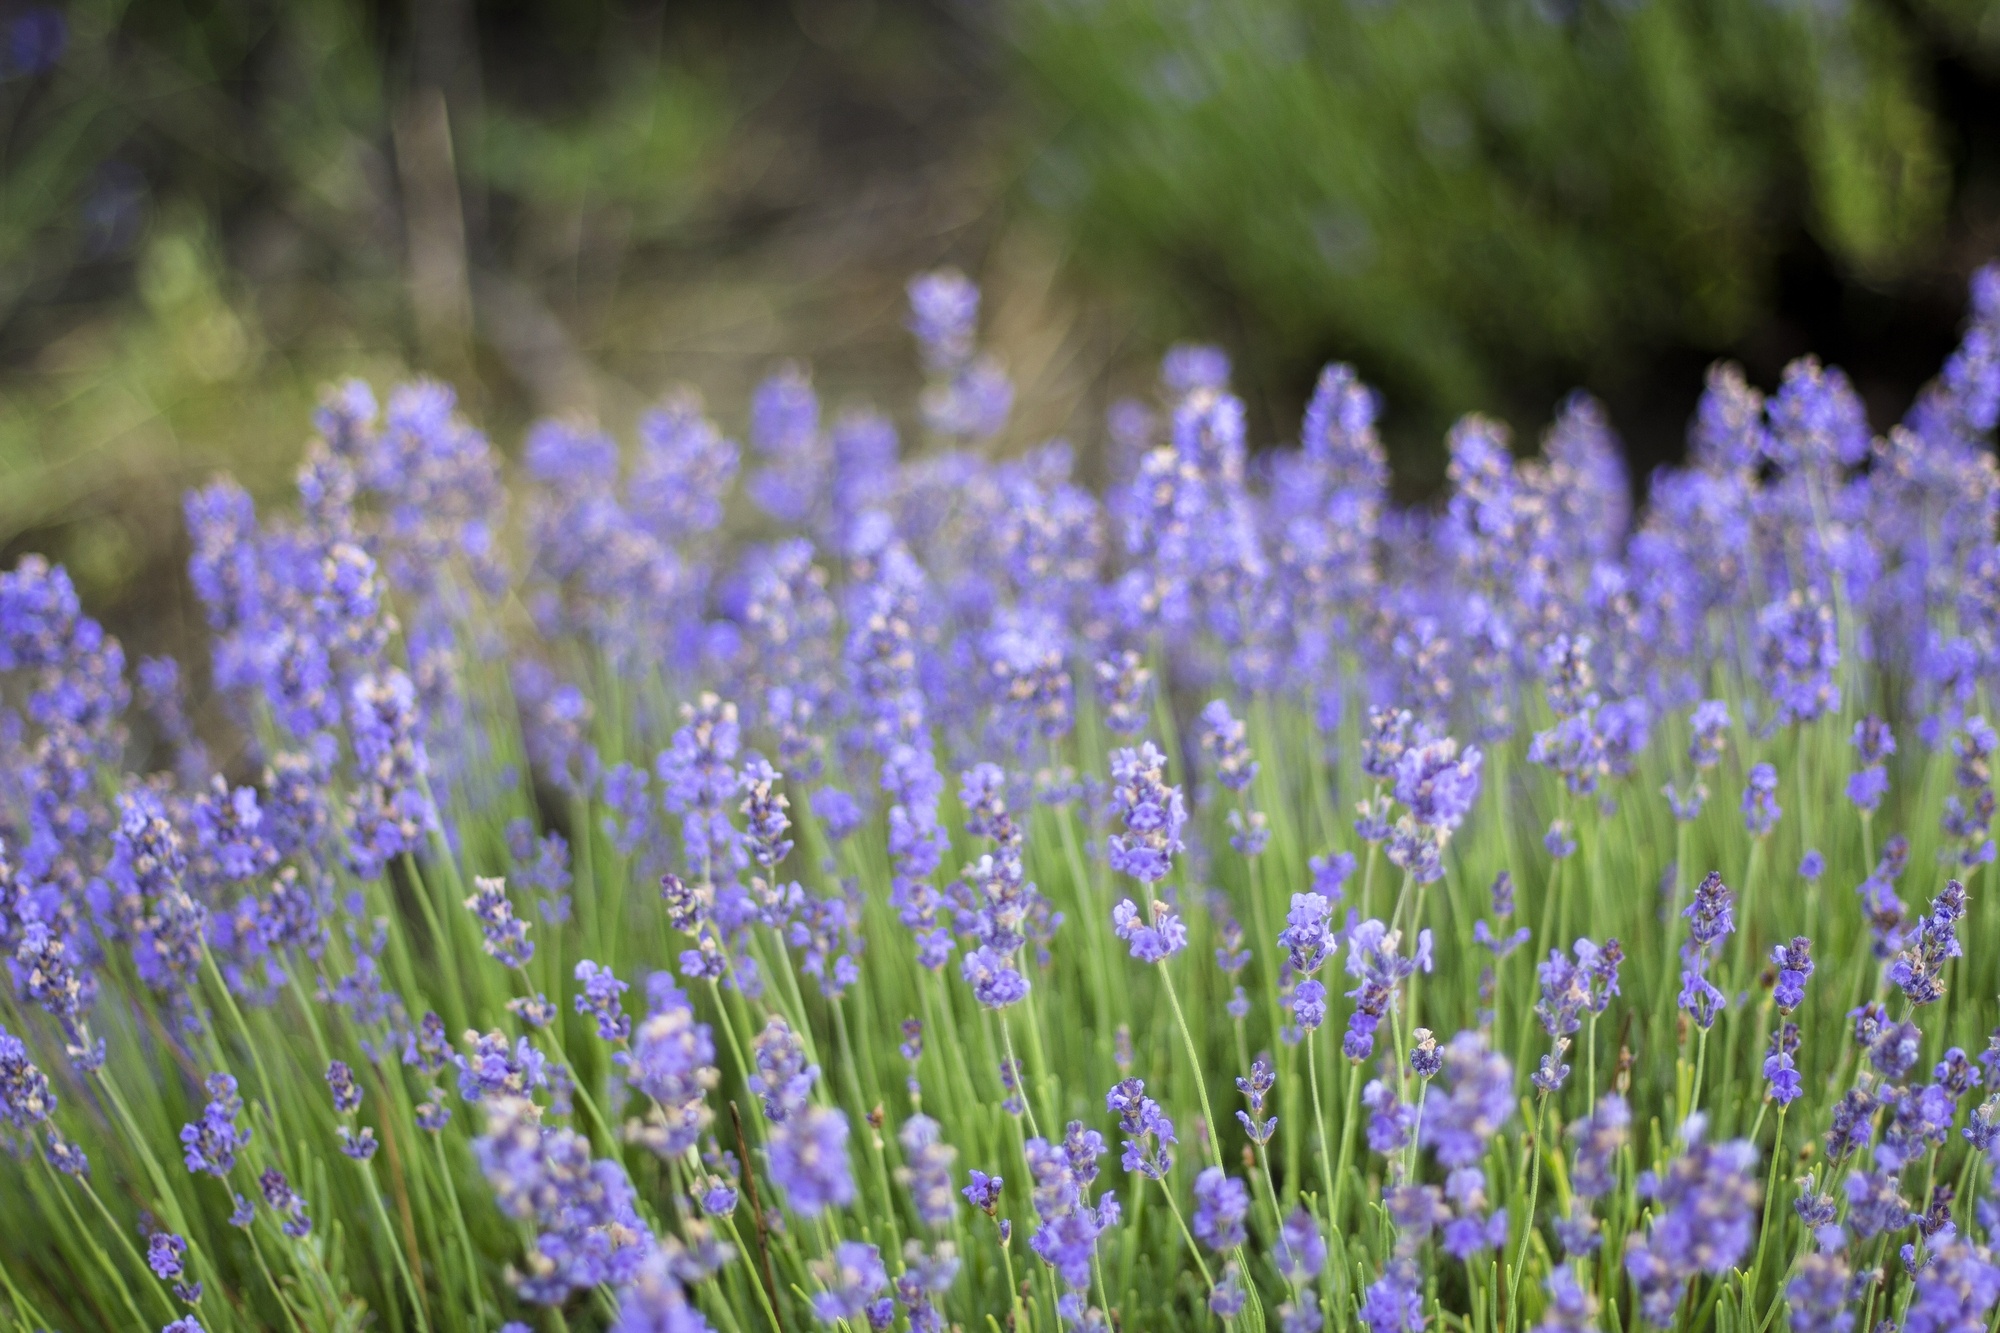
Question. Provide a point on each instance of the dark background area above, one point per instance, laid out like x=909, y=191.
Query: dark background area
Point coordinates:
x=208, y=211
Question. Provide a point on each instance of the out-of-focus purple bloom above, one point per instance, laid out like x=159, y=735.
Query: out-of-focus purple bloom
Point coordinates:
x=1760, y=801
x=1473, y=1101
x=1867, y=786
x=850, y=1280
x=1597, y=1140
x=1437, y=785
x=672, y=1062
x=1301, y=1249
x=1221, y=1203
x=783, y=1080
x=1875, y=1203
x=1394, y=1302
x=1704, y=1214
x=927, y=1174
x=1390, y=1122
x=1571, y=1308
x=1798, y=652
x=1222, y=738
x=1122, y=692
x=808, y=1160
x=599, y=998
x=1818, y=1294
x=390, y=809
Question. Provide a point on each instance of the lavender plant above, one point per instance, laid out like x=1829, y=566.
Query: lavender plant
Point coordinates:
x=607, y=920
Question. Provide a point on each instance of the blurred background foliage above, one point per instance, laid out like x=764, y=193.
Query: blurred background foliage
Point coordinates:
x=211, y=208
x=1485, y=203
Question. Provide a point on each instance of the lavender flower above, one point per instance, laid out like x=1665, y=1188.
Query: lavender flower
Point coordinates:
x=1301, y=1249
x=1220, y=1204
x=1597, y=1140
x=672, y=1062
x=1704, y=1213
x=928, y=1173
x=1760, y=801
x=850, y=1280
x=582, y=1209
x=808, y=1160
x=1919, y=970
x=1779, y=1070
x=1256, y=1089
x=1222, y=740
x=1711, y=917
x=211, y=1143
x=1146, y=1127
x=1475, y=1101
x=1153, y=812
x=1375, y=960
x=506, y=934
x=599, y=997
x=1794, y=963
x=1156, y=942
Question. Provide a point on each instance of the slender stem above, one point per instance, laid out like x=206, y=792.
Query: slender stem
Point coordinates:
x=1194, y=1062
x=1764, y=1229
x=1528, y=1219
x=1187, y=1235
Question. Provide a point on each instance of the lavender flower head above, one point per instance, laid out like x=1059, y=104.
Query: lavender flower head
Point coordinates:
x=1146, y=1127
x=1704, y=1217
x=1798, y=652
x=1153, y=812
x=1711, y=918
x=1221, y=1203
x=211, y=1143
x=1152, y=941
x=1873, y=742
x=1375, y=960
x=506, y=934
x=1222, y=740
x=1760, y=801
x=1471, y=1102
x=671, y=1061
x=1794, y=963
x=1436, y=785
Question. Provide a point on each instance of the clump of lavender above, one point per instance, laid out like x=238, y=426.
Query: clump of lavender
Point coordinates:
x=790, y=683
